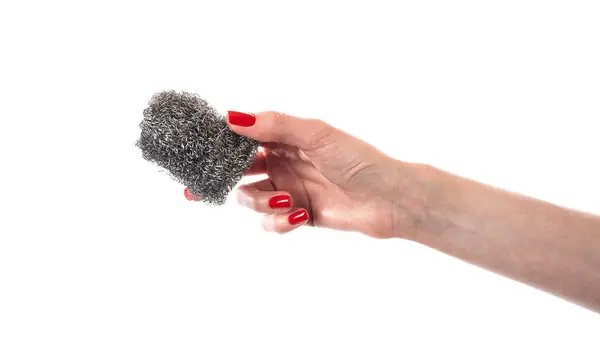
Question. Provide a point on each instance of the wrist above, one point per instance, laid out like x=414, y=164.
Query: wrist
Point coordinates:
x=412, y=198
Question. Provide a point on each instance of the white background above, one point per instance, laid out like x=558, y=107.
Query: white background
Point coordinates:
x=94, y=241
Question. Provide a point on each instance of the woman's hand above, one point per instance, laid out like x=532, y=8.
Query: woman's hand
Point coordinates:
x=322, y=176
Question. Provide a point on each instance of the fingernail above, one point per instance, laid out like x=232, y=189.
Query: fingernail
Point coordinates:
x=298, y=217
x=280, y=201
x=189, y=196
x=240, y=118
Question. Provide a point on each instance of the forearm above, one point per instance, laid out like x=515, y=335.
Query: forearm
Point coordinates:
x=549, y=247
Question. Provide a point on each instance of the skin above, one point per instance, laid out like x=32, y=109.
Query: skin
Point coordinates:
x=346, y=184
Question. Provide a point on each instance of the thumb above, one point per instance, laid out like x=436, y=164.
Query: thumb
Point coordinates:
x=336, y=154
x=271, y=126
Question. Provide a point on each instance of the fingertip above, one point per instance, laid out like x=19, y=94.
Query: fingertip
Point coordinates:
x=240, y=197
x=189, y=196
x=237, y=118
x=280, y=201
x=298, y=218
x=285, y=222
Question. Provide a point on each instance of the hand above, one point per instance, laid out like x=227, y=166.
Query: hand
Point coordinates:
x=321, y=176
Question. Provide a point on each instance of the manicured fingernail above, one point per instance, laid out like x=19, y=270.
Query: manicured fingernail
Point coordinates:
x=240, y=118
x=189, y=196
x=280, y=201
x=298, y=217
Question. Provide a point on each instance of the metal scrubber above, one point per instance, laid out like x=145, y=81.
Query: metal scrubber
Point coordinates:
x=183, y=134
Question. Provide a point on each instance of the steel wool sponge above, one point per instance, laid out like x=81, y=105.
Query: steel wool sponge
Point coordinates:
x=183, y=134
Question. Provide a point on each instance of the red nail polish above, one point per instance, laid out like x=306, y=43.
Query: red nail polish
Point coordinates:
x=241, y=119
x=189, y=196
x=280, y=201
x=298, y=217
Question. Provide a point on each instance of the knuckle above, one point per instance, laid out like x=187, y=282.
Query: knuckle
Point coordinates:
x=266, y=227
x=279, y=118
x=239, y=196
x=278, y=126
x=251, y=202
x=378, y=232
x=278, y=137
x=266, y=223
x=321, y=135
